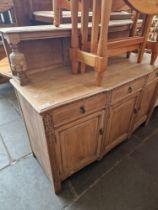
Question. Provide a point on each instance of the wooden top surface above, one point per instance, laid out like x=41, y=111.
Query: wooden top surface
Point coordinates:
x=5, y=68
x=51, y=28
x=58, y=87
x=47, y=16
x=144, y=6
x=50, y=31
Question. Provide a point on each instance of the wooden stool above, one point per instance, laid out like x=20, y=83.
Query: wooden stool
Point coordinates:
x=95, y=53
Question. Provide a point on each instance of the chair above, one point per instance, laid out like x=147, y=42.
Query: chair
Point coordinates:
x=7, y=19
x=95, y=49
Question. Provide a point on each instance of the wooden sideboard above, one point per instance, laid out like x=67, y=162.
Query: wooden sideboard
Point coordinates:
x=72, y=123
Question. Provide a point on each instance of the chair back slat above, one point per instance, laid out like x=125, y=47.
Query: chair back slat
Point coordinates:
x=95, y=24
x=106, y=7
x=75, y=36
x=84, y=28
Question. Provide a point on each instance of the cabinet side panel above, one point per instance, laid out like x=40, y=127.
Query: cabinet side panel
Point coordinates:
x=35, y=128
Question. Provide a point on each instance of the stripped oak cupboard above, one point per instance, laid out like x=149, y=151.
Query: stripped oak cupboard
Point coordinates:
x=72, y=123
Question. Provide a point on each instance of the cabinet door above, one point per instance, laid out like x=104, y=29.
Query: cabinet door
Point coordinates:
x=147, y=103
x=121, y=119
x=79, y=143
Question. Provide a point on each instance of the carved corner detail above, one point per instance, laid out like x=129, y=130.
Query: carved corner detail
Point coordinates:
x=18, y=65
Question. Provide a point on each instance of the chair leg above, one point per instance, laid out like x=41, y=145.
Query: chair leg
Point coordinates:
x=57, y=12
x=146, y=30
x=99, y=77
x=153, y=58
x=75, y=67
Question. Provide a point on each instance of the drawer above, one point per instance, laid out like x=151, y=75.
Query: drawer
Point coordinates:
x=125, y=90
x=153, y=76
x=79, y=109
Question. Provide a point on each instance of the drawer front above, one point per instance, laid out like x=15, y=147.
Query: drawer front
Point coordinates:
x=125, y=90
x=79, y=109
x=153, y=76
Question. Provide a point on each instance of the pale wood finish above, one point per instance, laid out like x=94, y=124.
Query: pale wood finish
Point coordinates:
x=101, y=62
x=5, y=68
x=99, y=59
x=58, y=107
x=35, y=131
x=100, y=49
x=153, y=46
x=144, y=6
x=84, y=28
x=55, y=94
x=5, y=71
x=120, y=121
x=119, y=5
x=65, y=114
x=126, y=90
x=146, y=30
x=77, y=152
x=148, y=100
x=39, y=44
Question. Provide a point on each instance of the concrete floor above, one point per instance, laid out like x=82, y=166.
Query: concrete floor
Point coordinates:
x=126, y=179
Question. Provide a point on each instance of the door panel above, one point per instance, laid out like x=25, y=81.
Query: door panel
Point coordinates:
x=80, y=143
x=121, y=118
x=146, y=103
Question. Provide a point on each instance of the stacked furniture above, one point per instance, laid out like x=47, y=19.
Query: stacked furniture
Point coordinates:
x=58, y=106
x=95, y=53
